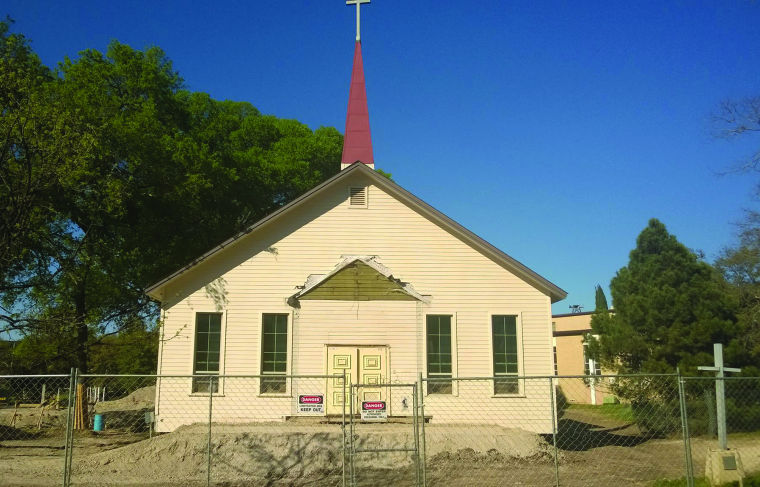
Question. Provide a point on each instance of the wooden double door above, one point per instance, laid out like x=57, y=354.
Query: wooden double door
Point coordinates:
x=362, y=365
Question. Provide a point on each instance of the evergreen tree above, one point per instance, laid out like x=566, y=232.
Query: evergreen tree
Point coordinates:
x=670, y=307
x=600, y=300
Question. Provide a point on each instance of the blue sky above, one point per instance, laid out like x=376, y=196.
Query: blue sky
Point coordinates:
x=552, y=129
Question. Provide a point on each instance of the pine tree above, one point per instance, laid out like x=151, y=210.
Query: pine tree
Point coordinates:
x=600, y=300
x=670, y=307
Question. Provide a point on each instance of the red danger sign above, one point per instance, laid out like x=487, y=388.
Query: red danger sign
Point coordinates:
x=374, y=411
x=373, y=405
x=315, y=399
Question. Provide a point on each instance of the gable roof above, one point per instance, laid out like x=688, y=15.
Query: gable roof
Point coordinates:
x=454, y=228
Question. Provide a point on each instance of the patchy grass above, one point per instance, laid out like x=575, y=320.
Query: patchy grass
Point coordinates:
x=750, y=481
x=619, y=412
x=698, y=482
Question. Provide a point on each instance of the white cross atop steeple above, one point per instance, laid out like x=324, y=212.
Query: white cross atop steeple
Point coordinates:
x=358, y=4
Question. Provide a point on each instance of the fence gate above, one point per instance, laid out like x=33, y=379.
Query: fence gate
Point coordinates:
x=384, y=435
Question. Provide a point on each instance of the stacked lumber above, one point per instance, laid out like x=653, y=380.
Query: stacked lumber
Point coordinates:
x=80, y=409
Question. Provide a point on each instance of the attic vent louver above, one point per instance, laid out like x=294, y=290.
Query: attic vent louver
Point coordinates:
x=358, y=197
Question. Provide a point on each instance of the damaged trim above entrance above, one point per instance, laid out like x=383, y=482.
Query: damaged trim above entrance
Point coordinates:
x=357, y=278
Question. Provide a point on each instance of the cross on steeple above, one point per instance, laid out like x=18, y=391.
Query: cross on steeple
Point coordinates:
x=358, y=4
x=720, y=391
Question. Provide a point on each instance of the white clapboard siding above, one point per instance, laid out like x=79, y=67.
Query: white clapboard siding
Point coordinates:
x=257, y=273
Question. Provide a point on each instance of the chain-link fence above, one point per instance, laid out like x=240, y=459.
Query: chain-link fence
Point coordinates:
x=653, y=430
x=619, y=430
x=384, y=442
x=33, y=418
x=742, y=413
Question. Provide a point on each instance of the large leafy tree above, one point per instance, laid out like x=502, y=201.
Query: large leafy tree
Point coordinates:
x=132, y=177
x=736, y=119
x=670, y=307
x=741, y=267
x=740, y=264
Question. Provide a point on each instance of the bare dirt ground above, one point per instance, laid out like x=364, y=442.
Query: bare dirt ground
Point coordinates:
x=596, y=451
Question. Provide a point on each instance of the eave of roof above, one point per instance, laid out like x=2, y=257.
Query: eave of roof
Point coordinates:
x=547, y=287
x=582, y=313
x=568, y=333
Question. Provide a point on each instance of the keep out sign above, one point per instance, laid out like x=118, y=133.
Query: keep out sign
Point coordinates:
x=311, y=404
x=374, y=411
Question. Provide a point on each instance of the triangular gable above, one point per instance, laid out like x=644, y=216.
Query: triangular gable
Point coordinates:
x=518, y=269
x=357, y=278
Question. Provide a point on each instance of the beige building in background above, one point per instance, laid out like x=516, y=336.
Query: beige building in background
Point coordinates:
x=571, y=358
x=356, y=276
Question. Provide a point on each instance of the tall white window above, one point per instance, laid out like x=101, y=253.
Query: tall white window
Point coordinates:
x=208, y=340
x=274, y=352
x=505, y=356
x=439, y=353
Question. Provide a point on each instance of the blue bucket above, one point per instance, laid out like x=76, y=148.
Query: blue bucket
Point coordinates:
x=98, y=423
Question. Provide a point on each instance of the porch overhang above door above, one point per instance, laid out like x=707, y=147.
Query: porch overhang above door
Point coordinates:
x=357, y=278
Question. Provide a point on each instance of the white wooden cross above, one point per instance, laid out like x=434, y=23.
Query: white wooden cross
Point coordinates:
x=720, y=391
x=358, y=4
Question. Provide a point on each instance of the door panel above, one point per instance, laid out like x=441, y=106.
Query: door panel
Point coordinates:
x=339, y=359
x=367, y=364
x=372, y=362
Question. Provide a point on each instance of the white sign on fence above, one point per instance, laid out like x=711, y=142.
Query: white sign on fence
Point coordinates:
x=374, y=411
x=311, y=404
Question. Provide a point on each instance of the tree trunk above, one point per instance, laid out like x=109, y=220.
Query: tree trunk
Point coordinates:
x=80, y=322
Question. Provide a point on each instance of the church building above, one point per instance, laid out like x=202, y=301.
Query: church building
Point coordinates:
x=356, y=277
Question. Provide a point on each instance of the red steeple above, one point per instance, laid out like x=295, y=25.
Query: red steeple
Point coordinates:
x=357, y=143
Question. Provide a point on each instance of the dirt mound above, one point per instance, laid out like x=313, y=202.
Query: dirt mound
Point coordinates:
x=257, y=455
x=142, y=398
x=292, y=454
x=484, y=439
x=27, y=419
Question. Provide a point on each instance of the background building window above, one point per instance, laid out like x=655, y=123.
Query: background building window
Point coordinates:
x=439, y=353
x=590, y=366
x=554, y=346
x=505, y=361
x=208, y=339
x=274, y=353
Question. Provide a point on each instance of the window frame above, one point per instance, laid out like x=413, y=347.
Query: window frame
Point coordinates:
x=520, y=365
x=222, y=340
x=288, y=350
x=554, y=351
x=587, y=363
x=454, y=351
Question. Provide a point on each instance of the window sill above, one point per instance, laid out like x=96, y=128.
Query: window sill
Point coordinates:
x=204, y=394
x=509, y=396
x=274, y=394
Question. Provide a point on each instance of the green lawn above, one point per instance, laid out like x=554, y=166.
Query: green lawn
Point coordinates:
x=620, y=412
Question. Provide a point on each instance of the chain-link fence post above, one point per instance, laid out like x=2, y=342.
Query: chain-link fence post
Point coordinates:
x=210, y=409
x=69, y=432
x=553, y=397
x=421, y=392
x=416, y=430
x=343, y=426
x=72, y=412
x=685, y=430
x=352, y=473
